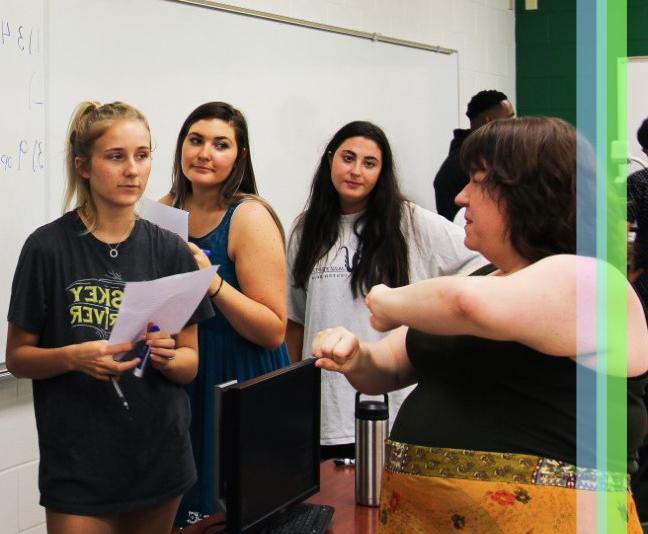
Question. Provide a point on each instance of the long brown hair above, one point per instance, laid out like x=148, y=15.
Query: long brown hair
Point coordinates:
x=240, y=185
x=383, y=248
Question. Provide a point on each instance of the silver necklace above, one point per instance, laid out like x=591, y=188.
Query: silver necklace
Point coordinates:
x=113, y=252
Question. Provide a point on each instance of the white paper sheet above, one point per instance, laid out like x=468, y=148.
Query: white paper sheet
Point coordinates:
x=164, y=216
x=168, y=302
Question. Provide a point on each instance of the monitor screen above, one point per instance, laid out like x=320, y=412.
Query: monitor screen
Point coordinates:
x=269, y=439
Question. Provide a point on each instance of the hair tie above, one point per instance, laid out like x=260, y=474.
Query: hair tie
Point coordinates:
x=215, y=293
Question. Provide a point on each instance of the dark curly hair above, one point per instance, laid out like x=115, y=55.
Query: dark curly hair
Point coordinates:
x=483, y=101
x=642, y=134
x=530, y=166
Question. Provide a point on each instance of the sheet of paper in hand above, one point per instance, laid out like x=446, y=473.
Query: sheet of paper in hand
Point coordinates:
x=168, y=302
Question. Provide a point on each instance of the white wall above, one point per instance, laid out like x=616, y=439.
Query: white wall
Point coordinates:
x=19, y=509
x=637, y=108
x=483, y=31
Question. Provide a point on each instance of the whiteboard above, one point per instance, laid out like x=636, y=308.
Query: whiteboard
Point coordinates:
x=23, y=187
x=637, y=105
x=295, y=85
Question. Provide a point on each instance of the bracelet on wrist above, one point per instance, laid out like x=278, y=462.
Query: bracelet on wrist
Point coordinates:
x=215, y=293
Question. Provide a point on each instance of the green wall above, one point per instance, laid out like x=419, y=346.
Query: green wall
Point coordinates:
x=638, y=27
x=546, y=59
x=546, y=54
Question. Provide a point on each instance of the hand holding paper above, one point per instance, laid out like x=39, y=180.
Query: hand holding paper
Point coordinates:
x=168, y=302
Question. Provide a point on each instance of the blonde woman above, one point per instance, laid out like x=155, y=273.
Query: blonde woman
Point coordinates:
x=113, y=459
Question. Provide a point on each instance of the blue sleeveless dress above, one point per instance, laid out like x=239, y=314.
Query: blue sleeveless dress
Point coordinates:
x=224, y=355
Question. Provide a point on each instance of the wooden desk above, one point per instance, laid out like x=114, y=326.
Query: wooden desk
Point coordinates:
x=337, y=488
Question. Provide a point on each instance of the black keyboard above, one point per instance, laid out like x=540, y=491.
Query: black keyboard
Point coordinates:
x=302, y=518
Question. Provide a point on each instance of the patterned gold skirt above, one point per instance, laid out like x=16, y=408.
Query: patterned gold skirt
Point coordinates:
x=437, y=490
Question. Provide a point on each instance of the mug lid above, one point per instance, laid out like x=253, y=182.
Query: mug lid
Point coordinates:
x=373, y=410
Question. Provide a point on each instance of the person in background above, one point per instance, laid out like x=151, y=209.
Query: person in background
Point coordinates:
x=358, y=230
x=638, y=217
x=484, y=107
x=115, y=458
x=214, y=181
x=637, y=191
x=487, y=440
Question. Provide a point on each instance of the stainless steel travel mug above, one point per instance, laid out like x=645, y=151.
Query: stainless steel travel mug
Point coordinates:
x=371, y=427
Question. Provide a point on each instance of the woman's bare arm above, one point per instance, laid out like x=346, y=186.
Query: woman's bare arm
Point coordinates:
x=539, y=306
x=371, y=368
x=95, y=358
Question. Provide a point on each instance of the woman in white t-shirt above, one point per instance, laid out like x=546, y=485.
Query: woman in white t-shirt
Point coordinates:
x=358, y=230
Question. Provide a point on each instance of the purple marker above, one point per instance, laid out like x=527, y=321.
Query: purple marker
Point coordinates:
x=206, y=252
x=145, y=352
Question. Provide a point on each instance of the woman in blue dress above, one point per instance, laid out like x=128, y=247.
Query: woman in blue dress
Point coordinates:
x=213, y=180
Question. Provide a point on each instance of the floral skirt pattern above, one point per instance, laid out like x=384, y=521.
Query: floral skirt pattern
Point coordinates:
x=436, y=490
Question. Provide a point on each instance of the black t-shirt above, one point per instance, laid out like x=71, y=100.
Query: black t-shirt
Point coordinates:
x=501, y=396
x=451, y=178
x=96, y=457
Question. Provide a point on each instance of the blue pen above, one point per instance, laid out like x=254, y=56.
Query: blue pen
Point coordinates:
x=206, y=252
x=145, y=353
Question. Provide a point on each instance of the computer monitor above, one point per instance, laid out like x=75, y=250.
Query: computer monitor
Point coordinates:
x=269, y=443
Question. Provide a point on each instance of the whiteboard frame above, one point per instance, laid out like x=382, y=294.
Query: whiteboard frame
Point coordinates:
x=316, y=25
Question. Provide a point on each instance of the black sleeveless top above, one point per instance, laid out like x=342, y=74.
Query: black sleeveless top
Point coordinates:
x=500, y=396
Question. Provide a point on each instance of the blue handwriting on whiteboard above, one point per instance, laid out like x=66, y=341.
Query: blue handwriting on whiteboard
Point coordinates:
x=29, y=156
x=24, y=38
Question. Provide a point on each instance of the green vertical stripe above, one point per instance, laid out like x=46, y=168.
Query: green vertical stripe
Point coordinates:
x=601, y=46
x=601, y=52
x=614, y=317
